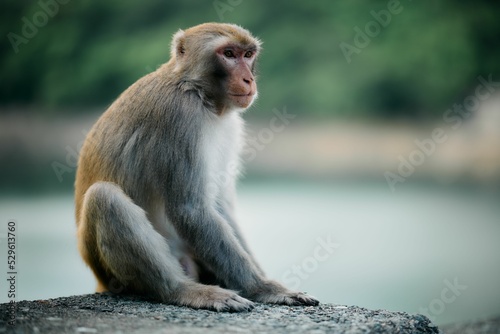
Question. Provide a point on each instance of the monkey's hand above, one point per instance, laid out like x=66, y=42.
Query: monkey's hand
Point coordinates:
x=211, y=297
x=272, y=292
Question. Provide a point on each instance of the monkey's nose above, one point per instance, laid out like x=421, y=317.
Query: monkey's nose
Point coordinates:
x=248, y=81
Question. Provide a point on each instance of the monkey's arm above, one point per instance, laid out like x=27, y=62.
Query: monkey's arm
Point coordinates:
x=226, y=209
x=212, y=239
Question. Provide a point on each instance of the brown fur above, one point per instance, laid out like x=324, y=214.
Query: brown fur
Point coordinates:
x=151, y=218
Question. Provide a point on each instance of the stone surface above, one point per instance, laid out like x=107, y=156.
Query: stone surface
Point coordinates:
x=104, y=313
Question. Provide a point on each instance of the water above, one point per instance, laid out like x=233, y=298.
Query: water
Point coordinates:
x=343, y=243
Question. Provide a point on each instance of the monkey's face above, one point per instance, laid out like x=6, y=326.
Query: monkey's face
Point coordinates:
x=238, y=64
x=221, y=59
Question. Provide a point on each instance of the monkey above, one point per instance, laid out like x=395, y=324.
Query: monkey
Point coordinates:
x=154, y=217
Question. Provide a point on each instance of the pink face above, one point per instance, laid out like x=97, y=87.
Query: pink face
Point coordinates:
x=238, y=62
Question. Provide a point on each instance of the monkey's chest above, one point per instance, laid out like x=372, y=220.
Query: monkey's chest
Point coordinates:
x=220, y=149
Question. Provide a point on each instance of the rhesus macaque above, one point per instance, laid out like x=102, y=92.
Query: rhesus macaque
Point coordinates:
x=153, y=212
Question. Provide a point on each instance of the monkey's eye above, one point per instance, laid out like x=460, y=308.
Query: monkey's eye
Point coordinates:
x=248, y=54
x=229, y=53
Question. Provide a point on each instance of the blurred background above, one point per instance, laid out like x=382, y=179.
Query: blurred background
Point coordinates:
x=373, y=159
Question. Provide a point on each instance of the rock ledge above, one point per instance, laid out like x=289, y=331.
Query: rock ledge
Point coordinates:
x=105, y=313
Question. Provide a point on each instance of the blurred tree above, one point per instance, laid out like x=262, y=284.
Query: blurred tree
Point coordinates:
x=426, y=56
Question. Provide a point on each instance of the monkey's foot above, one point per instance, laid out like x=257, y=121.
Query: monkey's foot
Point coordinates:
x=214, y=298
x=291, y=299
x=275, y=293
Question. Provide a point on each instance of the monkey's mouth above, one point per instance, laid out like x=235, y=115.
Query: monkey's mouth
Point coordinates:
x=242, y=100
x=241, y=95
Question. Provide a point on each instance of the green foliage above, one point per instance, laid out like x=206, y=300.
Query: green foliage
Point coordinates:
x=425, y=59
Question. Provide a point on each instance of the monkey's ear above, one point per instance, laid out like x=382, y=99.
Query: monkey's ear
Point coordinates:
x=177, y=48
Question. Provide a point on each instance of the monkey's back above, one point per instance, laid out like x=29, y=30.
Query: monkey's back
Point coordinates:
x=133, y=141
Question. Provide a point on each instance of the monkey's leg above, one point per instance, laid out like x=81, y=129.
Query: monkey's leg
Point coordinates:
x=119, y=243
x=270, y=292
x=224, y=255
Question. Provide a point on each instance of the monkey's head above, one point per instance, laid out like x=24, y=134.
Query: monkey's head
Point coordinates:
x=219, y=59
